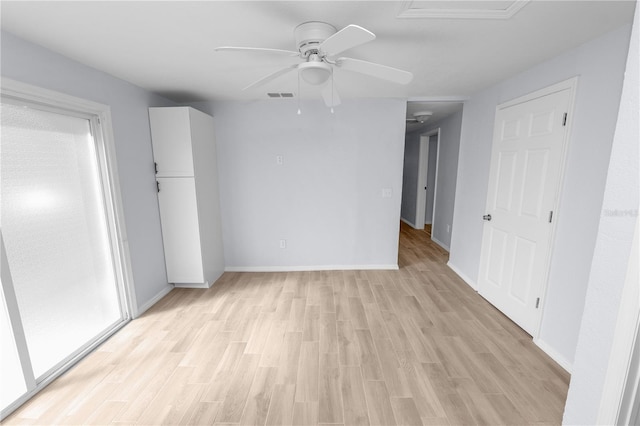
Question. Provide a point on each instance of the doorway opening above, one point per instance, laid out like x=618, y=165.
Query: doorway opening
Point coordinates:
x=431, y=162
x=427, y=180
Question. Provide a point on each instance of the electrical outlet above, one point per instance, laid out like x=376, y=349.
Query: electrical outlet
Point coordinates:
x=448, y=229
x=279, y=160
x=283, y=244
x=386, y=192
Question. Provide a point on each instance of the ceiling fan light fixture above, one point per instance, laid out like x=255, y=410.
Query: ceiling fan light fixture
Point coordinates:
x=315, y=73
x=422, y=116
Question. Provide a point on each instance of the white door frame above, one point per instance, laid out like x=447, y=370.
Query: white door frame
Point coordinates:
x=423, y=165
x=101, y=128
x=622, y=377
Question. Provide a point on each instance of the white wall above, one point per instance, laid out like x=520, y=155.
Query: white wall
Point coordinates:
x=410, y=177
x=450, y=128
x=432, y=165
x=600, y=65
x=32, y=64
x=325, y=199
x=618, y=218
x=447, y=175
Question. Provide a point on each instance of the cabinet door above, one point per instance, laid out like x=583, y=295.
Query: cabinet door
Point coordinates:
x=180, y=231
x=171, y=140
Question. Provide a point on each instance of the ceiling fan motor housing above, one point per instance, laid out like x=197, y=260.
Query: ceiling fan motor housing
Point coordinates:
x=310, y=35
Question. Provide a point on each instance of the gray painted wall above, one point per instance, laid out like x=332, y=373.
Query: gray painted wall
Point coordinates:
x=600, y=66
x=32, y=64
x=325, y=199
x=618, y=219
x=447, y=175
x=432, y=162
x=410, y=177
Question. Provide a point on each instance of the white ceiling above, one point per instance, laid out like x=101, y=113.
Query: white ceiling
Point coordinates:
x=167, y=46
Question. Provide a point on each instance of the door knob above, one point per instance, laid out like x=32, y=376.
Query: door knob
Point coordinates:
x=486, y=217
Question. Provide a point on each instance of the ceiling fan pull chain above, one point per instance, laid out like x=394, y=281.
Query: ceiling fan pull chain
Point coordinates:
x=332, y=89
x=299, y=112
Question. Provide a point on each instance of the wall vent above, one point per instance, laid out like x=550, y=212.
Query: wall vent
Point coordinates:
x=280, y=95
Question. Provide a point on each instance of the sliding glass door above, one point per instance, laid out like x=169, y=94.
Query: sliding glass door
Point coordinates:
x=57, y=235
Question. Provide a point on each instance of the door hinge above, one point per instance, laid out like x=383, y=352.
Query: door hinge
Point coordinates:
x=157, y=186
x=537, y=302
x=564, y=120
x=550, y=216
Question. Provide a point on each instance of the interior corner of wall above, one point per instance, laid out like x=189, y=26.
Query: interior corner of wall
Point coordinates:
x=463, y=276
x=560, y=359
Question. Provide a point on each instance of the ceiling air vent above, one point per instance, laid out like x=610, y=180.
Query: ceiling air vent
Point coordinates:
x=280, y=95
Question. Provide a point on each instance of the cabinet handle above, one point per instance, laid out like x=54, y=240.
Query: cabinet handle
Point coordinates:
x=157, y=186
x=486, y=217
x=155, y=167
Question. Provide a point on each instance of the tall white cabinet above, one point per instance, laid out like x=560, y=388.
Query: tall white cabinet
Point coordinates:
x=186, y=170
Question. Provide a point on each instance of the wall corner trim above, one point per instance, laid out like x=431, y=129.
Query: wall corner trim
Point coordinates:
x=155, y=299
x=441, y=244
x=463, y=276
x=409, y=223
x=554, y=355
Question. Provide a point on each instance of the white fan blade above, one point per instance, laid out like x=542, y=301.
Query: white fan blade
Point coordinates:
x=256, y=50
x=271, y=76
x=375, y=70
x=346, y=38
x=330, y=94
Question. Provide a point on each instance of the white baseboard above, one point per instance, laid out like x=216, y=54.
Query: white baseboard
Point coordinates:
x=410, y=224
x=162, y=293
x=205, y=284
x=463, y=276
x=309, y=268
x=561, y=360
x=440, y=243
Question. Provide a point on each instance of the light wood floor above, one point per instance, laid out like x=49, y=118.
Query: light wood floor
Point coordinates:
x=414, y=346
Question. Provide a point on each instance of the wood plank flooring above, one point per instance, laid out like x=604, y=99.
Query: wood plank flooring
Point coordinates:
x=408, y=347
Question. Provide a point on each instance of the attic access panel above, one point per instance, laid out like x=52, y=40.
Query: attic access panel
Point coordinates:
x=479, y=9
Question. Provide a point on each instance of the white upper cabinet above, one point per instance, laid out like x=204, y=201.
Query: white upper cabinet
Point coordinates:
x=171, y=139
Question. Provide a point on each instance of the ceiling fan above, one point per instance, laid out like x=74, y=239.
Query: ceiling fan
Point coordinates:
x=420, y=117
x=318, y=45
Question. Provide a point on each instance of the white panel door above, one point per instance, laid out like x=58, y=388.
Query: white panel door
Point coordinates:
x=524, y=179
x=180, y=230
